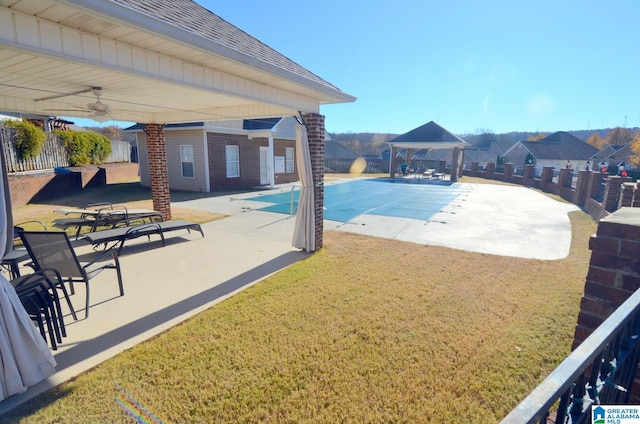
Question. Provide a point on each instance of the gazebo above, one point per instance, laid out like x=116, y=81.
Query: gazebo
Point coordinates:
x=428, y=136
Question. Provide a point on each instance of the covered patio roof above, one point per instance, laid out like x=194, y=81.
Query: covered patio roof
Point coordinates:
x=161, y=61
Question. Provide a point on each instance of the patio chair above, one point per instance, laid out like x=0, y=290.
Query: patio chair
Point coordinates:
x=13, y=258
x=51, y=249
x=119, y=235
x=85, y=218
x=38, y=293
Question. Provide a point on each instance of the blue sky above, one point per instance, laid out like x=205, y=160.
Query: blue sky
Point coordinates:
x=472, y=66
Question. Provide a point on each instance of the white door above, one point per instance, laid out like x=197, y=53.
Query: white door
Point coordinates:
x=264, y=165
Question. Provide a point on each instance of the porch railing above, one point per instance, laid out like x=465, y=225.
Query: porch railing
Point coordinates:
x=599, y=371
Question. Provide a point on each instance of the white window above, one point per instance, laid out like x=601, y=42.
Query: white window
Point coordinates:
x=289, y=158
x=232, y=154
x=186, y=160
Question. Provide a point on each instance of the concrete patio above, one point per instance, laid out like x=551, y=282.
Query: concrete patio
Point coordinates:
x=166, y=285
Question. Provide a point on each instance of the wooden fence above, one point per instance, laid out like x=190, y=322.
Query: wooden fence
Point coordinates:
x=120, y=152
x=53, y=153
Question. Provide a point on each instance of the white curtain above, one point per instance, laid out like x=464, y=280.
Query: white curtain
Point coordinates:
x=24, y=355
x=304, y=233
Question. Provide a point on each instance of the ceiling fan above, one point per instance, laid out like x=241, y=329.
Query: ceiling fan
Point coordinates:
x=99, y=110
x=98, y=107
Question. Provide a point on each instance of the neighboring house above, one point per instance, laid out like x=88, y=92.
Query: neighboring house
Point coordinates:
x=225, y=155
x=555, y=150
x=612, y=156
x=338, y=158
x=335, y=150
x=485, y=151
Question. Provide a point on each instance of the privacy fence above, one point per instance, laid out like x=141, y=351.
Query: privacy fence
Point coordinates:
x=53, y=154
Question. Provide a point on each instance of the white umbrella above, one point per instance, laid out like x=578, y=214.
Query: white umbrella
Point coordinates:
x=24, y=354
x=304, y=232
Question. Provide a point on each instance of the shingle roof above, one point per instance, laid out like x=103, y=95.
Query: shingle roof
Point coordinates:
x=427, y=133
x=335, y=150
x=621, y=154
x=561, y=146
x=487, y=150
x=190, y=16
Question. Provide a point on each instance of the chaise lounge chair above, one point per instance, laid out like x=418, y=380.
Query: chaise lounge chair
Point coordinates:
x=119, y=235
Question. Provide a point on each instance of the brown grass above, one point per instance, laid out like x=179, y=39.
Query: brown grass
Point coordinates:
x=129, y=194
x=366, y=330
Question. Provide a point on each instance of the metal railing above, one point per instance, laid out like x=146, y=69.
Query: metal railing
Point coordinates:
x=600, y=371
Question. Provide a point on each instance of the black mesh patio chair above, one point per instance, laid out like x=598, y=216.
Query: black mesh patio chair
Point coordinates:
x=13, y=258
x=52, y=249
x=38, y=293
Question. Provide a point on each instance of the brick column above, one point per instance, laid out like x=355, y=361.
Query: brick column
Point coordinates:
x=474, y=168
x=158, y=173
x=491, y=168
x=611, y=197
x=528, y=174
x=315, y=132
x=626, y=194
x=509, y=171
x=614, y=272
x=565, y=177
x=595, y=178
x=581, y=187
x=547, y=174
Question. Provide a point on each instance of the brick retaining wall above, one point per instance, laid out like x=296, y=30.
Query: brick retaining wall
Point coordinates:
x=40, y=186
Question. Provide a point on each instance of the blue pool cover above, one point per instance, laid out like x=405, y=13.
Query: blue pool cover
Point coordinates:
x=345, y=201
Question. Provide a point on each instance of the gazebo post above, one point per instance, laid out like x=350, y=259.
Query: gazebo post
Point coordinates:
x=392, y=161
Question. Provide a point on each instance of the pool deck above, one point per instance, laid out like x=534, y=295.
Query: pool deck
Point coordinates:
x=167, y=285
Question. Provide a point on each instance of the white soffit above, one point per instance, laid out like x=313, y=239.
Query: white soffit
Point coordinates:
x=49, y=48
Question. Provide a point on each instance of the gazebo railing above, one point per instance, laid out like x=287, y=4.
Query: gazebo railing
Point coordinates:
x=600, y=371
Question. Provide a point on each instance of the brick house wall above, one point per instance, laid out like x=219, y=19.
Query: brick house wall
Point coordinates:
x=249, y=152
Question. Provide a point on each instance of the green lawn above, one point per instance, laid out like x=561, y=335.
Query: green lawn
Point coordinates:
x=365, y=330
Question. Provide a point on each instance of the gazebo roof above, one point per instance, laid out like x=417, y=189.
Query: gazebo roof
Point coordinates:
x=428, y=136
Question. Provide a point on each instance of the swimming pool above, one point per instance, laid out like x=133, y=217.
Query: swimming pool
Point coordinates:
x=394, y=198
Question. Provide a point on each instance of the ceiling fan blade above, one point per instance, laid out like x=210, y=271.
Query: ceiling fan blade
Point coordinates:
x=60, y=95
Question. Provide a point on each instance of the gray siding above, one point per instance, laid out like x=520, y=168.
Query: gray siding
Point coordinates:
x=143, y=159
x=286, y=129
x=173, y=141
